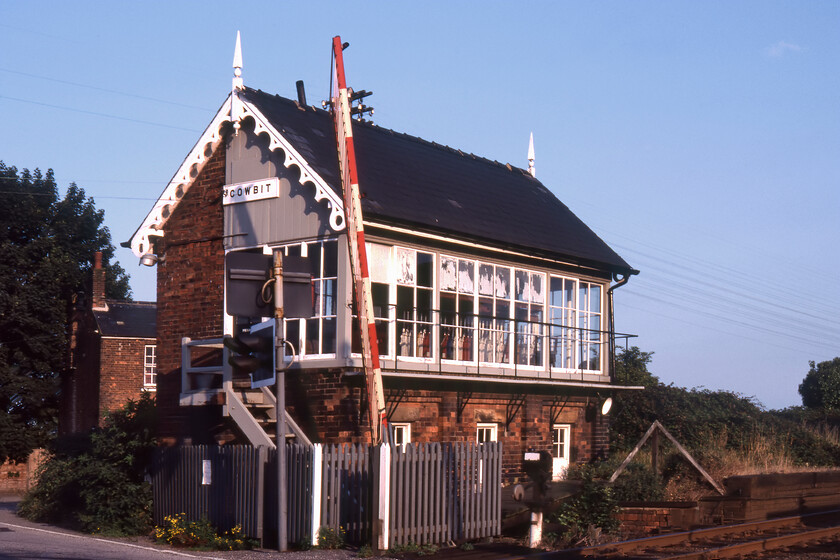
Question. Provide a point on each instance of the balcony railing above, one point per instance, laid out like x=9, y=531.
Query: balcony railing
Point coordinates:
x=482, y=343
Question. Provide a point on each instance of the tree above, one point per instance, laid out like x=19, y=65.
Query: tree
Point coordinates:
x=96, y=481
x=631, y=368
x=47, y=246
x=821, y=387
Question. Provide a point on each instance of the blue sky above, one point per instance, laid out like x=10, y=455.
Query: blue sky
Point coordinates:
x=700, y=139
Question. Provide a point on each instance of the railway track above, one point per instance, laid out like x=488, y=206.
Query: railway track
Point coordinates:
x=729, y=541
x=818, y=531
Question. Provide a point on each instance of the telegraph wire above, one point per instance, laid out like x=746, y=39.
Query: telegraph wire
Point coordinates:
x=83, y=111
x=106, y=90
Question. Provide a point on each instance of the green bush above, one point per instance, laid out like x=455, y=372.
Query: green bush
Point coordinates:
x=95, y=481
x=638, y=483
x=595, y=507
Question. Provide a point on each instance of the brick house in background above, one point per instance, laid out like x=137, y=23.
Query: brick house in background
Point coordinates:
x=113, y=356
x=493, y=300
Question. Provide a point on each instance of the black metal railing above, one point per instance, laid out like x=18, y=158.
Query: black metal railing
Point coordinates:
x=485, y=341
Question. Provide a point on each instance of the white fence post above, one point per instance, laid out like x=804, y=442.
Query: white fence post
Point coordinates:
x=384, y=496
x=317, y=476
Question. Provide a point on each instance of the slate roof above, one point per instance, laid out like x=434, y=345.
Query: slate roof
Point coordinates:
x=130, y=319
x=409, y=181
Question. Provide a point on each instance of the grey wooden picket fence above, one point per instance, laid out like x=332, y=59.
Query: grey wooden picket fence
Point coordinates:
x=436, y=492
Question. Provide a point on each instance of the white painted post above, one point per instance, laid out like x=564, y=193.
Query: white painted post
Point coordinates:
x=384, y=495
x=535, y=534
x=317, y=476
x=186, y=364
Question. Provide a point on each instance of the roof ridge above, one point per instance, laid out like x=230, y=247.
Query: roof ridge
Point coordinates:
x=455, y=151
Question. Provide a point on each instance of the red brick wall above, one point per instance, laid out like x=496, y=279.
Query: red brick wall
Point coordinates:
x=637, y=522
x=330, y=408
x=17, y=478
x=121, y=372
x=190, y=280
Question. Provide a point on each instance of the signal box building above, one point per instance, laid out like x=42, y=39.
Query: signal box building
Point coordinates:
x=492, y=299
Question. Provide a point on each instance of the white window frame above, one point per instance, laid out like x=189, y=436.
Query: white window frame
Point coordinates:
x=566, y=429
x=569, y=318
x=462, y=292
x=491, y=427
x=150, y=367
x=320, y=317
x=405, y=427
x=422, y=330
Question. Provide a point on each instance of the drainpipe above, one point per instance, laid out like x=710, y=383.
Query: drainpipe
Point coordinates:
x=621, y=279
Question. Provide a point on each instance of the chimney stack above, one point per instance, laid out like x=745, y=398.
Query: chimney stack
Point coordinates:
x=301, y=92
x=98, y=296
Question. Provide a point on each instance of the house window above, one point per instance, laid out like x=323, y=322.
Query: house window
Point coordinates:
x=560, y=441
x=402, y=434
x=560, y=450
x=575, y=315
x=150, y=367
x=415, y=296
x=457, y=308
x=487, y=433
x=317, y=335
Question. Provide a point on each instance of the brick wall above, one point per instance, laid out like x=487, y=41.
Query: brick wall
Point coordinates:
x=121, y=372
x=17, y=478
x=190, y=289
x=637, y=522
x=330, y=408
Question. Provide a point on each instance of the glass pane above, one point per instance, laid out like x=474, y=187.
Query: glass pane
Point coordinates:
x=405, y=303
x=537, y=286
x=328, y=337
x=314, y=250
x=293, y=333
x=595, y=298
x=406, y=266
x=405, y=335
x=425, y=265
x=556, y=292
x=485, y=279
x=330, y=259
x=313, y=336
x=502, y=282
x=448, y=274
x=328, y=296
x=424, y=305
x=466, y=277
x=379, y=293
x=569, y=298
x=379, y=261
x=522, y=288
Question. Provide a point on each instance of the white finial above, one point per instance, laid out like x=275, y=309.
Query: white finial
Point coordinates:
x=531, y=169
x=237, y=64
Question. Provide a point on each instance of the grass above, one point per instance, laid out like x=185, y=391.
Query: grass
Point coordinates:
x=760, y=454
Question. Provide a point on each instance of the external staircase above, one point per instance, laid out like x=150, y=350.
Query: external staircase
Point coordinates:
x=207, y=379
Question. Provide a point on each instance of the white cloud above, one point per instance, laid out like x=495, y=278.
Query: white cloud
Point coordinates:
x=781, y=48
